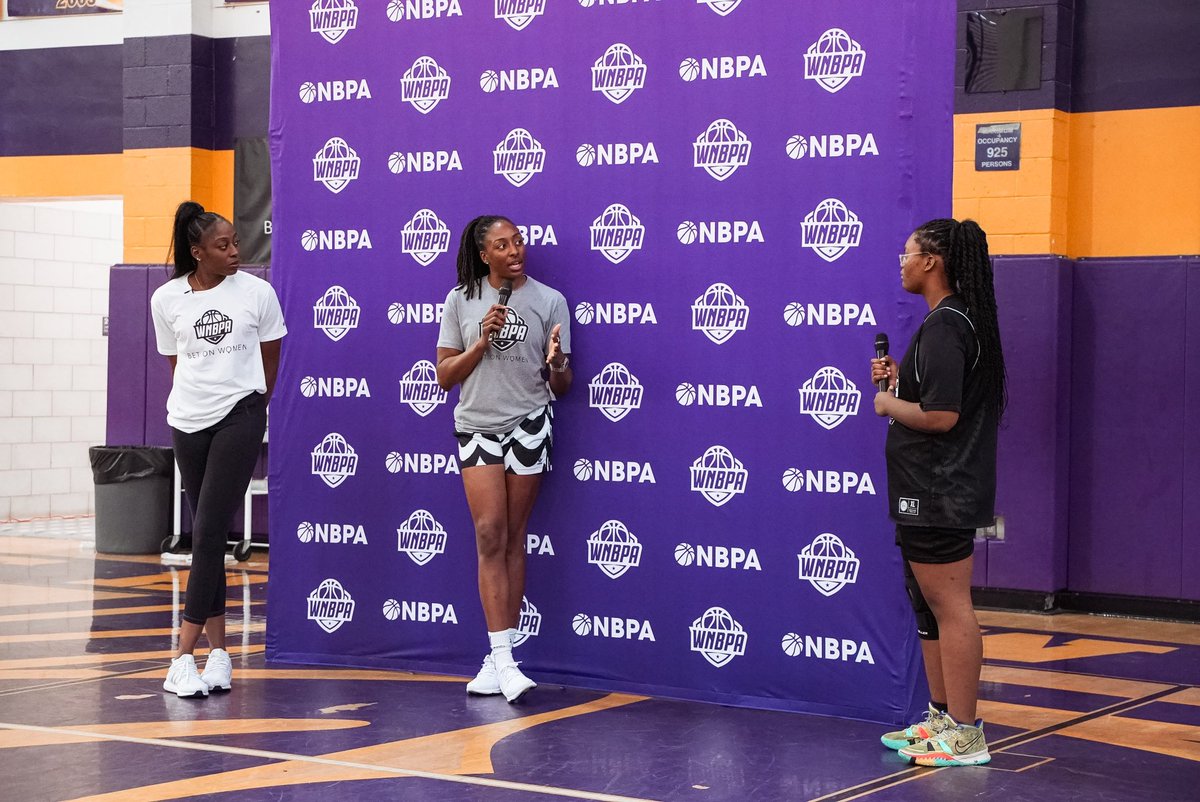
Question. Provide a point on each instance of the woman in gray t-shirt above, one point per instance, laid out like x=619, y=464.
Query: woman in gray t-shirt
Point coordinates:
x=506, y=339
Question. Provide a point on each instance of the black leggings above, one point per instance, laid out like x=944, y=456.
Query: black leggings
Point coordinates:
x=215, y=465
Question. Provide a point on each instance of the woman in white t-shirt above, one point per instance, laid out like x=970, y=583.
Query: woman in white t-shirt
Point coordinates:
x=510, y=354
x=221, y=331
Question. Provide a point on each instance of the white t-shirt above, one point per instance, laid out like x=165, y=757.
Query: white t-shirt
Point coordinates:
x=214, y=335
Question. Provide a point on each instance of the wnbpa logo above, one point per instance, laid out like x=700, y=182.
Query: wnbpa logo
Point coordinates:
x=830, y=230
x=421, y=537
x=335, y=165
x=333, y=460
x=829, y=397
x=617, y=233
x=718, y=476
x=827, y=564
x=335, y=313
x=717, y=636
x=529, y=623
x=514, y=331
x=419, y=388
x=424, y=237
x=720, y=313
x=330, y=605
x=613, y=549
x=833, y=60
x=519, y=13
x=615, y=391
x=721, y=149
x=332, y=19
x=618, y=73
x=213, y=326
x=721, y=7
x=424, y=85
x=518, y=157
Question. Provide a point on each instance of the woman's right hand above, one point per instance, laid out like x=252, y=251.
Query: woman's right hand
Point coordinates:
x=492, y=322
x=884, y=368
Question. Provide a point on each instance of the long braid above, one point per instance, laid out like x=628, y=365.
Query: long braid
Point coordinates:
x=964, y=250
x=471, y=268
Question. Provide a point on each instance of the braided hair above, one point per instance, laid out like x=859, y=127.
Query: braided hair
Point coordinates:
x=964, y=251
x=471, y=268
x=191, y=221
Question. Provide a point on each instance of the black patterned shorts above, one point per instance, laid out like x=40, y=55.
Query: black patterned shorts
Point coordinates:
x=524, y=451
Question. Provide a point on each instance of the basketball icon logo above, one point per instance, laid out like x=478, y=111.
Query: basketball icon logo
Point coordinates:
x=618, y=73
x=792, y=644
x=308, y=240
x=831, y=229
x=833, y=60
x=391, y=609
x=689, y=69
x=583, y=469
x=394, y=461
x=793, y=314
x=582, y=624
x=305, y=532
x=585, y=155
x=488, y=81
x=793, y=480
x=685, y=554
x=828, y=564
x=685, y=394
x=308, y=92
x=687, y=231
x=797, y=146
x=308, y=386
x=718, y=637
x=330, y=605
x=585, y=313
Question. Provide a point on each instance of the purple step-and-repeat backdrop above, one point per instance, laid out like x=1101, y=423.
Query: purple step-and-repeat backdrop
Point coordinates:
x=720, y=189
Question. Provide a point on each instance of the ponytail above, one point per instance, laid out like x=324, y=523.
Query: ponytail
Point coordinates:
x=471, y=268
x=191, y=221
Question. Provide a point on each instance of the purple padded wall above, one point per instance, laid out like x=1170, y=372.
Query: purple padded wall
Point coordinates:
x=1190, y=563
x=126, y=420
x=1127, y=415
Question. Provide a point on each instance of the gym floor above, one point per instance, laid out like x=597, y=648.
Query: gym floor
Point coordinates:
x=1076, y=707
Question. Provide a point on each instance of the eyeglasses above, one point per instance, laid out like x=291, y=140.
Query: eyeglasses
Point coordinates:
x=904, y=256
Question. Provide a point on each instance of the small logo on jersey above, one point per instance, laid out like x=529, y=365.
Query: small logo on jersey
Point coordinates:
x=827, y=564
x=519, y=13
x=833, y=60
x=721, y=7
x=721, y=149
x=718, y=637
x=330, y=605
x=720, y=313
x=424, y=85
x=335, y=313
x=424, y=237
x=421, y=537
x=618, y=73
x=617, y=233
x=419, y=388
x=909, y=506
x=829, y=397
x=334, y=459
x=335, y=165
x=514, y=331
x=613, y=549
x=718, y=475
x=519, y=157
x=333, y=19
x=615, y=392
x=831, y=229
x=529, y=623
x=213, y=326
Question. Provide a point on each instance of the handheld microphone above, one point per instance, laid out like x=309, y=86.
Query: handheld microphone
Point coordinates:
x=881, y=350
x=505, y=294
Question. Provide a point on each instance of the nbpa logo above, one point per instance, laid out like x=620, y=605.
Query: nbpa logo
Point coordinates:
x=617, y=233
x=332, y=19
x=718, y=637
x=421, y=537
x=720, y=313
x=335, y=387
x=831, y=146
x=330, y=605
x=335, y=165
x=424, y=85
x=603, y=626
x=529, y=623
x=514, y=331
x=722, y=7
x=833, y=60
x=827, y=564
x=829, y=397
x=519, y=13
x=420, y=390
x=718, y=475
x=399, y=10
x=337, y=239
x=424, y=237
x=613, y=549
x=830, y=230
x=332, y=91
x=212, y=326
x=618, y=312
x=333, y=460
x=518, y=157
x=828, y=314
x=618, y=73
x=615, y=391
x=826, y=648
x=335, y=313
x=721, y=149
x=346, y=534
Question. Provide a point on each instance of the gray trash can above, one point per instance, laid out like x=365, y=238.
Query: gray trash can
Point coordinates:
x=133, y=497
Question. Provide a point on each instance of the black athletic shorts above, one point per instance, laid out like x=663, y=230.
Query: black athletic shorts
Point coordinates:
x=934, y=544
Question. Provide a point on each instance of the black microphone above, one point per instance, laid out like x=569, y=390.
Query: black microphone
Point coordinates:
x=881, y=350
x=505, y=294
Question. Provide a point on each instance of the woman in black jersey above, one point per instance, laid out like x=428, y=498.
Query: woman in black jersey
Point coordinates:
x=945, y=400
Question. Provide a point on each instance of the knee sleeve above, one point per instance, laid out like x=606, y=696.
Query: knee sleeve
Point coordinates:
x=927, y=628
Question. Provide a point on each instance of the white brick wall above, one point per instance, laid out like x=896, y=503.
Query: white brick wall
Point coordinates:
x=54, y=260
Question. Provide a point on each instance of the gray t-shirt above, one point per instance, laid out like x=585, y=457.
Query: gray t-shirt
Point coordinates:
x=507, y=383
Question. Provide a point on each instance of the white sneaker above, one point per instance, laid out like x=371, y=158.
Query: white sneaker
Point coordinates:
x=183, y=679
x=218, y=671
x=487, y=681
x=514, y=684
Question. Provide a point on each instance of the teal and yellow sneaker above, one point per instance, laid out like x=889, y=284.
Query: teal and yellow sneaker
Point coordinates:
x=956, y=745
x=933, y=724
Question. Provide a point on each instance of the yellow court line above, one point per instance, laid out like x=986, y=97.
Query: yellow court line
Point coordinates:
x=348, y=674
x=165, y=632
x=1063, y=681
x=1179, y=633
x=123, y=657
x=96, y=612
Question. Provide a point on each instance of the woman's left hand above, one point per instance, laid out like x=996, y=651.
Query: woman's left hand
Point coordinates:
x=554, y=354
